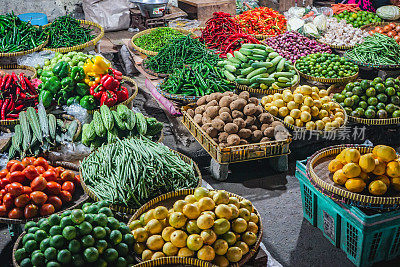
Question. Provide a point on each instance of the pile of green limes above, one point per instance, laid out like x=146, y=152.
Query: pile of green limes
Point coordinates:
x=358, y=19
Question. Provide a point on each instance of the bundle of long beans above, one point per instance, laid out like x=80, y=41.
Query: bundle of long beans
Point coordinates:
x=17, y=35
x=157, y=38
x=179, y=52
x=376, y=49
x=132, y=171
x=66, y=31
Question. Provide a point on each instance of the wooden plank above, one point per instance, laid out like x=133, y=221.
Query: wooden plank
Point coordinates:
x=201, y=3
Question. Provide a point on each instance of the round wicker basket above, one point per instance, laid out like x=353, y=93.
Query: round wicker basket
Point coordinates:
x=22, y=53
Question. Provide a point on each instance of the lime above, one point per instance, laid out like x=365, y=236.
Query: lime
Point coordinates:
x=77, y=216
x=357, y=90
x=390, y=91
x=99, y=232
x=122, y=249
x=356, y=113
x=129, y=239
x=91, y=254
x=26, y=263
x=348, y=94
x=348, y=110
x=38, y=259
x=45, y=226
x=41, y=220
x=121, y=262
x=363, y=104
x=88, y=241
x=53, y=264
x=89, y=218
x=45, y=244
x=380, y=88
x=395, y=100
x=84, y=228
x=360, y=111
x=110, y=255
x=29, y=225
x=370, y=92
x=66, y=221
x=364, y=98
x=115, y=237
x=30, y=246
x=57, y=241
x=55, y=230
x=50, y=253
x=380, y=106
x=93, y=209
x=66, y=213
x=124, y=228
x=101, y=245
x=33, y=230
x=64, y=256
x=112, y=223
x=373, y=101
x=108, y=230
x=100, y=263
x=20, y=254
x=86, y=206
x=69, y=232
x=390, y=108
x=382, y=98
x=382, y=114
x=100, y=219
x=27, y=237
x=396, y=114
x=103, y=203
x=356, y=99
x=40, y=235
x=107, y=211
x=365, y=84
x=389, y=82
x=349, y=102
x=36, y=251
x=78, y=260
x=74, y=246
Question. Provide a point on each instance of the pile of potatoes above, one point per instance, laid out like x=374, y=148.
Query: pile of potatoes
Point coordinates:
x=232, y=119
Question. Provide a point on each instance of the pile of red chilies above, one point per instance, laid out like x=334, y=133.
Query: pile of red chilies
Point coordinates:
x=16, y=94
x=224, y=35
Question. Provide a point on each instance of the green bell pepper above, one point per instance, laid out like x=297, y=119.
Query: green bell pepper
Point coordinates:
x=39, y=72
x=62, y=97
x=82, y=89
x=88, y=102
x=67, y=84
x=46, y=73
x=61, y=69
x=52, y=85
x=46, y=98
x=73, y=100
x=77, y=74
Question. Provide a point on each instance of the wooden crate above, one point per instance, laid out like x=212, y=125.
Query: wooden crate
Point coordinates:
x=284, y=5
x=202, y=10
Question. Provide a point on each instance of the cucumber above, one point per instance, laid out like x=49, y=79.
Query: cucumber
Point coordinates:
x=260, y=52
x=280, y=65
x=257, y=57
x=256, y=72
x=221, y=63
x=245, y=51
x=283, y=79
x=276, y=60
x=267, y=81
x=242, y=81
x=263, y=75
x=230, y=68
x=273, y=55
x=245, y=65
x=254, y=85
x=275, y=86
x=240, y=56
x=271, y=70
x=257, y=65
x=288, y=66
x=232, y=59
x=283, y=85
x=269, y=49
x=284, y=74
x=253, y=46
x=247, y=70
x=295, y=79
x=229, y=75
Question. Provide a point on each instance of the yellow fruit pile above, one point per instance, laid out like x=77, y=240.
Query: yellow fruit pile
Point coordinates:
x=381, y=169
x=306, y=107
x=208, y=225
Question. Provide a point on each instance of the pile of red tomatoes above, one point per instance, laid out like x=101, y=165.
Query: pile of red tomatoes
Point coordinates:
x=391, y=30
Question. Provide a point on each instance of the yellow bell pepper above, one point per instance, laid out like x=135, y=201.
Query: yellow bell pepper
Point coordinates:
x=94, y=68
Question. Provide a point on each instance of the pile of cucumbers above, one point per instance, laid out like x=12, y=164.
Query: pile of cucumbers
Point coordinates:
x=259, y=66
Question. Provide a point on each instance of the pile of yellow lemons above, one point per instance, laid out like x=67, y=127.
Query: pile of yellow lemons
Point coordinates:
x=306, y=107
x=381, y=169
x=209, y=225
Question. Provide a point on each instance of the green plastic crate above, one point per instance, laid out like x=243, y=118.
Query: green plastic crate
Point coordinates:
x=367, y=237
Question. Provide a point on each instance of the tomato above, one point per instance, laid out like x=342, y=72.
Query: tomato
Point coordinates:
x=27, y=161
x=38, y=197
x=67, y=175
x=15, y=213
x=49, y=175
x=55, y=201
x=31, y=211
x=40, y=169
x=46, y=209
x=30, y=172
x=392, y=25
x=27, y=190
x=17, y=167
x=11, y=163
x=3, y=173
x=386, y=28
x=391, y=33
x=53, y=188
x=68, y=186
x=77, y=179
x=8, y=200
x=59, y=170
x=396, y=37
x=65, y=196
x=15, y=189
x=38, y=184
x=17, y=176
x=22, y=200
x=4, y=182
x=371, y=32
x=3, y=211
x=41, y=162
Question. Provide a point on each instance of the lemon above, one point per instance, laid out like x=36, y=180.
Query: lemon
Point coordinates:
x=166, y=233
x=323, y=93
x=273, y=110
x=380, y=167
x=206, y=203
x=201, y=192
x=221, y=226
x=160, y=213
x=317, y=103
x=325, y=99
x=220, y=247
x=328, y=126
x=386, y=153
x=326, y=107
x=223, y=211
x=295, y=113
x=320, y=125
x=206, y=253
x=148, y=216
x=154, y=227
x=364, y=176
x=277, y=96
x=191, y=211
x=298, y=98
x=178, y=238
x=177, y=219
x=208, y=236
x=351, y=170
x=221, y=261
x=170, y=249
x=252, y=227
x=155, y=242
x=393, y=169
x=194, y=242
x=234, y=254
x=315, y=96
x=249, y=238
x=221, y=197
x=190, y=199
x=322, y=114
x=308, y=101
x=339, y=178
x=305, y=108
x=299, y=123
x=292, y=105
x=384, y=179
x=140, y=234
x=367, y=162
x=306, y=90
x=355, y=185
x=340, y=121
x=239, y=225
x=246, y=204
x=339, y=114
x=157, y=255
x=314, y=111
x=396, y=183
x=377, y=188
x=335, y=165
x=139, y=248
x=234, y=210
x=178, y=205
x=185, y=252
x=243, y=247
x=234, y=201
x=289, y=120
x=335, y=124
x=311, y=125
x=205, y=221
x=287, y=97
x=352, y=155
x=279, y=103
x=305, y=116
x=283, y=111
x=147, y=254
x=264, y=100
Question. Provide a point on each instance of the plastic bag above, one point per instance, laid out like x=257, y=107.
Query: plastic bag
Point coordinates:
x=113, y=15
x=311, y=29
x=320, y=22
x=295, y=23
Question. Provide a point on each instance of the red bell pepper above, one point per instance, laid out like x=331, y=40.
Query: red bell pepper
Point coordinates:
x=96, y=91
x=122, y=94
x=109, y=82
x=117, y=74
x=108, y=98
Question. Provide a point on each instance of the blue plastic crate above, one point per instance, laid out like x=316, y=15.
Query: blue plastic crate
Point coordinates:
x=367, y=237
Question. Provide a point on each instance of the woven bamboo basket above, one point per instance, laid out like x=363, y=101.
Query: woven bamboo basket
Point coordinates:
x=233, y=154
x=128, y=210
x=317, y=170
x=78, y=197
x=343, y=80
x=133, y=90
x=97, y=29
x=180, y=99
x=148, y=52
x=174, y=262
x=371, y=26
x=22, y=53
x=152, y=73
x=168, y=200
x=388, y=121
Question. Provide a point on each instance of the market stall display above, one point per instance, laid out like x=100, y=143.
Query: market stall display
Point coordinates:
x=260, y=68
x=73, y=58
x=307, y=107
x=340, y=8
x=293, y=45
x=19, y=37
x=209, y=231
x=107, y=125
x=389, y=29
x=310, y=22
x=262, y=22
x=91, y=235
x=359, y=18
x=326, y=68
x=130, y=172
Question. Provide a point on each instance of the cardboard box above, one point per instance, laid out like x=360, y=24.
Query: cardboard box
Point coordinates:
x=202, y=10
x=284, y=5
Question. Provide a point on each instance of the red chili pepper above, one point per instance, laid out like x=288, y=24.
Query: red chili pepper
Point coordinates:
x=96, y=91
x=109, y=82
x=11, y=104
x=12, y=116
x=122, y=94
x=108, y=98
x=3, y=109
x=30, y=87
x=19, y=108
x=6, y=84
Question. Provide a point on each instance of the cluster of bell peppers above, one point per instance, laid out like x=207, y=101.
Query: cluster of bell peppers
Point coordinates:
x=66, y=86
x=105, y=82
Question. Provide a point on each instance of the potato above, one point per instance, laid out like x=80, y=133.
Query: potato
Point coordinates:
x=212, y=132
x=243, y=142
x=200, y=110
x=254, y=100
x=225, y=101
x=222, y=137
x=276, y=123
x=224, y=109
x=206, y=119
x=259, y=110
x=263, y=127
x=253, y=128
x=244, y=133
x=235, y=97
x=212, y=111
x=239, y=122
x=218, y=124
x=231, y=128
x=264, y=139
x=237, y=114
x=265, y=118
x=215, y=140
x=212, y=103
x=233, y=140
x=245, y=95
x=256, y=136
x=238, y=104
x=269, y=132
x=198, y=119
x=206, y=126
x=225, y=117
x=249, y=109
x=250, y=120
x=190, y=112
x=201, y=101
x=228, y=93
